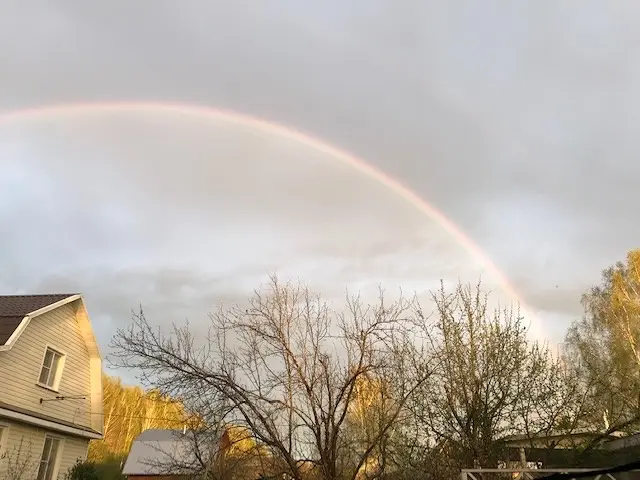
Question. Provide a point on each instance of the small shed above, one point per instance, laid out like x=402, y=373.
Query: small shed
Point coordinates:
x=163, y=455
x=559, y=450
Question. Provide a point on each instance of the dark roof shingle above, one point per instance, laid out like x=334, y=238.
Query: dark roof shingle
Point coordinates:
x=13, y=308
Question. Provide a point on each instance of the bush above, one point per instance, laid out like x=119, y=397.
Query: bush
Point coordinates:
x=110, y=468
x=83, y=471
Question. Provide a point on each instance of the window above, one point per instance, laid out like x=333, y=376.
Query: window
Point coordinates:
x=51, y=368
x=3, y=439
x=4, y=434
x=50, y=454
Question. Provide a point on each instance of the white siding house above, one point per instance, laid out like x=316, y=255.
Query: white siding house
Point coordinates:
x=50, y=384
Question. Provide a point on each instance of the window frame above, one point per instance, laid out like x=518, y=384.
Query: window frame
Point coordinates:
x=56, y=460
x=4, y=437
x=58, y=374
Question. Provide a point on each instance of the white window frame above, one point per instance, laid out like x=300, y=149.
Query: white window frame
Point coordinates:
x=56, y=461
x=58, y=374
x=4, y=438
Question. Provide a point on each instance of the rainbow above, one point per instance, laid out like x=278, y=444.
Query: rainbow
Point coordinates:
x=53, y=112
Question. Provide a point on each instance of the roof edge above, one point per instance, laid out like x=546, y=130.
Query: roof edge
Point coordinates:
x=52, y=424
x=53, y=306
x=25, y=321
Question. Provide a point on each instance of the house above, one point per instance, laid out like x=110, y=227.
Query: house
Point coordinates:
x=160, y=454
x=50, y=384
x=557, y=449
x=623, y=443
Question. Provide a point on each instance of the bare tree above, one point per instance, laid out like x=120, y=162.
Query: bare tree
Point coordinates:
x=491, y=382
x=20, y=464
x=289, y=367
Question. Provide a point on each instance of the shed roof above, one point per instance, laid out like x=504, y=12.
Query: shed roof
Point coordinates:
x=158, y=452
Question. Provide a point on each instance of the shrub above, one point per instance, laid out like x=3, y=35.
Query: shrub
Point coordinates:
x=83, y=471
x=110, y=468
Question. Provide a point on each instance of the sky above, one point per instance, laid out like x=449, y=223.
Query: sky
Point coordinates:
x=518, y=120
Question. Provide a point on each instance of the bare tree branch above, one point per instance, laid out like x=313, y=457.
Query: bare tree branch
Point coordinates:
x=290, y=368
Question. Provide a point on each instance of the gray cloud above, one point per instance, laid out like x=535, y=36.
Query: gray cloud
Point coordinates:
x=518, y=121
x=177, y=216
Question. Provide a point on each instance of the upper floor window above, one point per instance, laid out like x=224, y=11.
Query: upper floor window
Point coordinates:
x=51, y=370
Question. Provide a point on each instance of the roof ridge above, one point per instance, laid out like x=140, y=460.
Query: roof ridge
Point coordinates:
x=13, y=308
x=38, y=294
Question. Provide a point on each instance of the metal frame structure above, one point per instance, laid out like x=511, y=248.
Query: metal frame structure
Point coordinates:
x=531, y=474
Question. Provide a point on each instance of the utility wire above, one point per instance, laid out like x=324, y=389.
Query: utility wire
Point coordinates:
x=115, y=415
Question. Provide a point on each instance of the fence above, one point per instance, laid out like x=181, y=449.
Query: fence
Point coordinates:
x=551, y=474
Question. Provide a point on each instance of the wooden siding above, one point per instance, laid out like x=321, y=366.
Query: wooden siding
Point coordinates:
x=25, y=443
x=20, y=368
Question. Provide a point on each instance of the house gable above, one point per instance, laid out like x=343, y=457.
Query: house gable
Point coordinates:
x=63, y=326
x=16, y=311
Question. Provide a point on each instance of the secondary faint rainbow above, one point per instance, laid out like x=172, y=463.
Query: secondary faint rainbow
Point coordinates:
x=58, y=111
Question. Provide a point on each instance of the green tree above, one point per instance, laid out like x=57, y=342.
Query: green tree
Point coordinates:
x=605, y=346
x=491, y=382
x=129, y=410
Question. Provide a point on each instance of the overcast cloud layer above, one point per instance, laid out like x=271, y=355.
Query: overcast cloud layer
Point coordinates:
x=517, y=121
